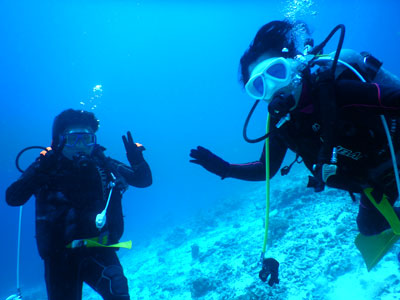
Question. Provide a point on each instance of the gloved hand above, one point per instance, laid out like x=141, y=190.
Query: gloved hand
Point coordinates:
x=280, y=105
x=45, y=166
x=133, y=150
x=270, y=269
x=209, y=161
x=47, y=161
x=48, y=158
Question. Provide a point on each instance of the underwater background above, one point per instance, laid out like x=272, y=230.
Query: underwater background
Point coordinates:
x=168, y=72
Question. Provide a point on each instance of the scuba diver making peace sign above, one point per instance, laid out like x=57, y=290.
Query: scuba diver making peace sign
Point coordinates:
x=79, y=220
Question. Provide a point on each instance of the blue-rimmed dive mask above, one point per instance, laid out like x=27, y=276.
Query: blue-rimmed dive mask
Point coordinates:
x=72, y=139
x=268, y=77
x=78, y=144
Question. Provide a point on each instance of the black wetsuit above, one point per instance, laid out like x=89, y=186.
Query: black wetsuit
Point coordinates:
x=363, y=153
x=68, y=199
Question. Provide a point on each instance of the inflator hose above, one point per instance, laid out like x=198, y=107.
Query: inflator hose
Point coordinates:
x=246, y=123
x=18, y=295
x=22, y=152
x=267, y=190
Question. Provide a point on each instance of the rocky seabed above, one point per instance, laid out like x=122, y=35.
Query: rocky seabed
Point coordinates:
x=216, y=255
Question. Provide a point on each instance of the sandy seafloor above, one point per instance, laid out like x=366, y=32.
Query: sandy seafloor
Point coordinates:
x=311, y=235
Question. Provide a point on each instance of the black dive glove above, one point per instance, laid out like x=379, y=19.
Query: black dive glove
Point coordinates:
x=270, y=270
x=133, y=150
x=45, y=166
x=281, y=105
x=48, y=159
x=209, y=161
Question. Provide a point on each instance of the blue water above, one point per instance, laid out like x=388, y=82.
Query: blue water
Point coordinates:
x=169, y=73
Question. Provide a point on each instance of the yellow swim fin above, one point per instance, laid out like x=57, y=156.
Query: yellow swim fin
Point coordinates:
x=374, y=247
x=386, y=209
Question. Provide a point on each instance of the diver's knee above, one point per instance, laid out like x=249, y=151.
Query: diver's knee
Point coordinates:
x=116, y=283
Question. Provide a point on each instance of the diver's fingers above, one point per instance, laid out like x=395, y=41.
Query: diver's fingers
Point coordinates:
x=204, y=151
x=125, y=141
x=130, y=139
x=200, y=150
x=195, y=154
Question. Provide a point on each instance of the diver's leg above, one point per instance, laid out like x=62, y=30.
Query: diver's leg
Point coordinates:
x=103, y=272
x=369, y=220
x=61, y=275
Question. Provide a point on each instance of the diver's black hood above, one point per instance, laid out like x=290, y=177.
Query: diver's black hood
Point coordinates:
x=72, y=117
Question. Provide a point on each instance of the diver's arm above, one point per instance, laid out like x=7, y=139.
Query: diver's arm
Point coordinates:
x=255, y=171
x=21, y=190
x=138, y=175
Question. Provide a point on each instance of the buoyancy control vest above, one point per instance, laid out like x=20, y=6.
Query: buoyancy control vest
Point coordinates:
x=66, y=207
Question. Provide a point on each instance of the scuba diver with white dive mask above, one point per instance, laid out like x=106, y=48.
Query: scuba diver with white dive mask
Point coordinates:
x=332, y=112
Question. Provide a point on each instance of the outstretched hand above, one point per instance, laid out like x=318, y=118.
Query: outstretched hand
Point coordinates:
x=209, y=161
x=133, y=150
